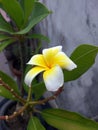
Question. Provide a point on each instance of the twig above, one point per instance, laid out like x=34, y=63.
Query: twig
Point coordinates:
x=49, y=98
x=29, y=94
x=15, y=114
x=11, y=90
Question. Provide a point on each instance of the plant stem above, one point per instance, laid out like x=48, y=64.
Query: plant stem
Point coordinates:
x=15, y=114
x=29, y=94
x=22, y=67
x=6, y=86
x=47, y=99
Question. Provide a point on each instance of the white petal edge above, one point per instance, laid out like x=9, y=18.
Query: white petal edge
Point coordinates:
x=53, y=78
x=32, y=74
x=71, y=66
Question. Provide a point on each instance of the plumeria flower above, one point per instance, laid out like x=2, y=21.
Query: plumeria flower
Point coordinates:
x=50, y=62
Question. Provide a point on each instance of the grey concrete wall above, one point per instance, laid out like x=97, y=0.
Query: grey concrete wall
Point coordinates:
x=72, y=23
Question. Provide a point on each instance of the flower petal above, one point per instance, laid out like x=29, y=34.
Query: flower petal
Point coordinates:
x=37, y=60
x=64, y=61
x=53, y=78
x=32, y=74
x=50, y=53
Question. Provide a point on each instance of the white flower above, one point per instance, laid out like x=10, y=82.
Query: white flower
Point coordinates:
x=51, y=61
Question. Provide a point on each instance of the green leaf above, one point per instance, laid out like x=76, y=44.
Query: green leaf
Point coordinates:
x=28, y=7
x=39, y=36
x=65, y=120
x=84, y=57
x=5, y=26
x=5, y=93
x=35, y=124
x=8, y=80
x=39, y=13
x=3, y=37
x=38, y=90
x=14, y=10
x=39, y=46
x=4, y=44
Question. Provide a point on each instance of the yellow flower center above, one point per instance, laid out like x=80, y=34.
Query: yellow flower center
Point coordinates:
x=50, y=63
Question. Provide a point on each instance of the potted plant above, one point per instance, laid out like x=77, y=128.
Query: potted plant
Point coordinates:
x=56, y=66
x=16, y=35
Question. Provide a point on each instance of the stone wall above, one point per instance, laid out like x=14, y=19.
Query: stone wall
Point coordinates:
x=75, y=22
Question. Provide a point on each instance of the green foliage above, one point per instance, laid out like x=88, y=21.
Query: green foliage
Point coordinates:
x=14, y=10
x=4, y=26
x=34, y=124
x=28, y=8
x=84, y=57
x=39, y=36
x=5, y=43
x=27, y=14
x=24, y=15
x=38, y=48
x=38, y=89
x=8, y=80
x=39, y=13
x=4, y=37
x=5, y=93
x=65, y=120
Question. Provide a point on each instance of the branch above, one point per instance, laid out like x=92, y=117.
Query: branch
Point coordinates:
x=49, y=98
x=6, y=86
x=15, y=114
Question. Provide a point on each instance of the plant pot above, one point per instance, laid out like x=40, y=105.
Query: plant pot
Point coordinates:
x=6, y=105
